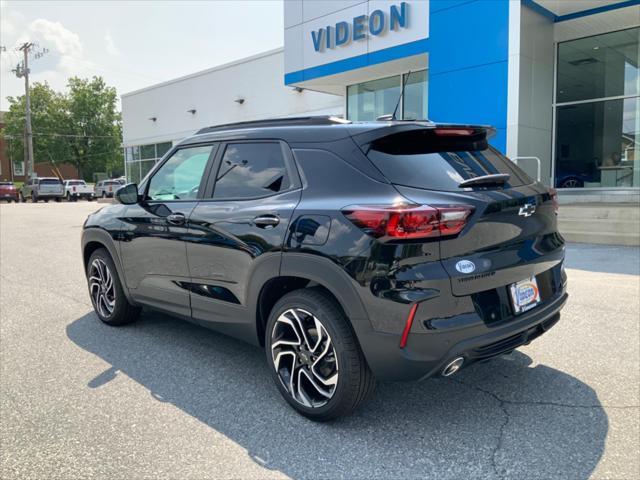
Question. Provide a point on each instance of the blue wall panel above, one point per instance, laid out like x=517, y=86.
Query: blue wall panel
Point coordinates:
x=468, y=64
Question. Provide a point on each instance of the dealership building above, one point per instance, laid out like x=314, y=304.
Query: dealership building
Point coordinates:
x=558, y=79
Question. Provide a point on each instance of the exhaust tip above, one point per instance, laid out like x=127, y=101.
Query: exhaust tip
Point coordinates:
x=452, y=367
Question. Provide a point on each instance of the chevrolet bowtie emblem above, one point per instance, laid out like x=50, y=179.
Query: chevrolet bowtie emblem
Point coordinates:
x=527, y=210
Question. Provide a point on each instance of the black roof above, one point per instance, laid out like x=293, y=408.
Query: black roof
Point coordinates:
x=316, y=129
x=276, y=122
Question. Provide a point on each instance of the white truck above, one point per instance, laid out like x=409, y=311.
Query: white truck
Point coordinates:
x=75, y=189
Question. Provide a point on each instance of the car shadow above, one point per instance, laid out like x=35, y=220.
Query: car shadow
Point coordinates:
x=501, y=419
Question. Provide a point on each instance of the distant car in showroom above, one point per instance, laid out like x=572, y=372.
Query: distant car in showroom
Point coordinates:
x=42, y=188
x=106, y=188
x=8, y=192
x=75, y=189
x=350, y=251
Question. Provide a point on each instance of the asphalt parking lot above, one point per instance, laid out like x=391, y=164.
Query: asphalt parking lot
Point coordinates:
x=166, y=399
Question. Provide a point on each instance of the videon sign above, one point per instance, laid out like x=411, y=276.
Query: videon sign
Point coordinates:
x=377, y=23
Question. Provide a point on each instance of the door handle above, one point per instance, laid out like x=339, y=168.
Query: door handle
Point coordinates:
x=265, y=221
x=176, y=219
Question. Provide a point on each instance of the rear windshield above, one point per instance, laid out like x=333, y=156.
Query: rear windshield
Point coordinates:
x=112, y=182
x=50, y=181
x=76, y=182
x=6, y=184
x=422, y=159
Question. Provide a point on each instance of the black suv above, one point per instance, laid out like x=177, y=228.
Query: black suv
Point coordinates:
x=351, y=251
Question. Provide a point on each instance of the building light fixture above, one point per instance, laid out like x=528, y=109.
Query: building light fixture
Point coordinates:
x=239, y=100
x=192, y=111
x=153, y=119
x=298, y=89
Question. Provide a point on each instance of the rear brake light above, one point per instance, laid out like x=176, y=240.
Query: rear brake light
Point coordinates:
x=407, y=326
x=407, y=222
x=454, y=132
x=553, y=193
x=74, y=189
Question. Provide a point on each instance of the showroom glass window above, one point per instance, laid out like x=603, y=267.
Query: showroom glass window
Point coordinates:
x=369, y=100
x=140, y=159
x=597, y=111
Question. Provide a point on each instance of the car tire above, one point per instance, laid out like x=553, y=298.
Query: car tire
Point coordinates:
x=34, y=198
x=46, y=200
x=21, y=198
x=69, y=197
x=104, y=195
x=332, y=360
x=107, y=296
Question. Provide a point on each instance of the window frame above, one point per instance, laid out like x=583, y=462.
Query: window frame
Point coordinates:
x=289, y=164
x=144, y=185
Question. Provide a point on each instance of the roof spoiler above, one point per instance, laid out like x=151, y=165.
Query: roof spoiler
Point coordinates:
x=372, y=135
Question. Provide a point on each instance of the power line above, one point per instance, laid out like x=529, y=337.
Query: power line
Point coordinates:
x=75, y=136
x=62, y=135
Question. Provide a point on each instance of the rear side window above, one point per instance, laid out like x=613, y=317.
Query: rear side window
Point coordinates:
x=50, y=181
x=421, y=159
x=250, y=170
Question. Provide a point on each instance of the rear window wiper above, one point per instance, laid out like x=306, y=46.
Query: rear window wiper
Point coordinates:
x=494, y=179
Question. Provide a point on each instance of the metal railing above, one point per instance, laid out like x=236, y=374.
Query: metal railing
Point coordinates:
x=538, y=164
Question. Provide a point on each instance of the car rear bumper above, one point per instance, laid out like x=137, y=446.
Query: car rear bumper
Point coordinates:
x=49, y=195
x=427, y=353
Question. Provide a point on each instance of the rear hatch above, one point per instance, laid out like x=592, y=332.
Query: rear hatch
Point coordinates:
x=510, y=233
x=7, y=189
x=50, y=186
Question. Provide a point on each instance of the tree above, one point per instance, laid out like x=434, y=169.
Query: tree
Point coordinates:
x=95, y=124
x=48, y=115
x=81, y=126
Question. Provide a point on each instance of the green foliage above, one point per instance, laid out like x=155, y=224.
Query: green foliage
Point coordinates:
x=80, y=126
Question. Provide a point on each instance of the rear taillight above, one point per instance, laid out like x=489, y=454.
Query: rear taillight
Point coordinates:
x=406, y=222
x=553, y=193
x=74, y=189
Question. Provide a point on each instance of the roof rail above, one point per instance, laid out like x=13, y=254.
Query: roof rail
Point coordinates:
x=276, y=122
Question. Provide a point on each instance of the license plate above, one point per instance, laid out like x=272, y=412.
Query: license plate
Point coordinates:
x=524, y=294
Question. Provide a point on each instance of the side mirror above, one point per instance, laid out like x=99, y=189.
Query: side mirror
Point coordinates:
x=128, y=195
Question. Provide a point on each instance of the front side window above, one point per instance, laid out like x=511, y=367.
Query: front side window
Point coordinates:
x=179, y=177
x=250, y=170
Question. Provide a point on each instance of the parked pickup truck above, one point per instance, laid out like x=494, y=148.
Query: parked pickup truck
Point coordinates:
x=106, y=188
x=8, y=192
x=75, y=189
x=43, y=188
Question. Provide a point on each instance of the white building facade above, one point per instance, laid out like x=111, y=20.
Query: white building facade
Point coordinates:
x=558, y=79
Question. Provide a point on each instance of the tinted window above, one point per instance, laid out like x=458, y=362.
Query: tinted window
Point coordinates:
x=421, y=159
x=112, y=182
x=76, y=182
x=251, y=170
x=6, y=184
x=50, y=181
x=179, y=177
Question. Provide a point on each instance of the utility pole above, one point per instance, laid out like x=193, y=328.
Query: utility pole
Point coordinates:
x=28, y=134
x=23, y=71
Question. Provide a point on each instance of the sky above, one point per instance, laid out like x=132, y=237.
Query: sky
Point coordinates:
x=132, y=44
